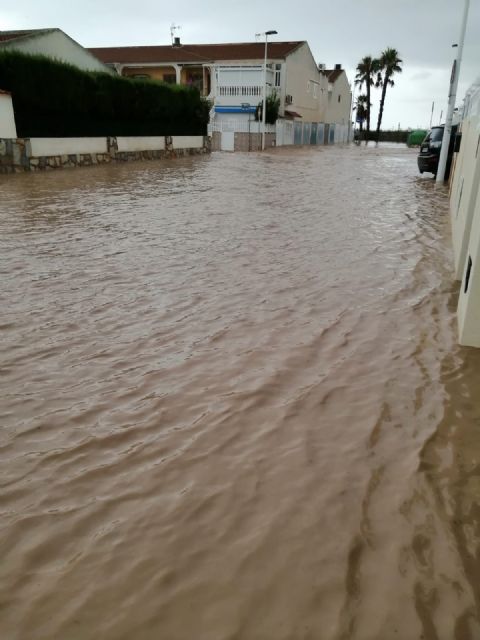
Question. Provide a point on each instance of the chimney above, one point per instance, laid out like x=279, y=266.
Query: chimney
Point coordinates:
x=338, y=67
x=176, y=42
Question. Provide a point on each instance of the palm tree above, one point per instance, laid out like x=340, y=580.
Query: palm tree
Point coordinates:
x=367, y=68
x=388, y=64
x=361, y=109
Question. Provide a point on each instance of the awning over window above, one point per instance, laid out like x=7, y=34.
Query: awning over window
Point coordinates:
x=292, y=114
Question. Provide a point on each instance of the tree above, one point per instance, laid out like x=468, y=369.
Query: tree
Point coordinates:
x=367, y=69
x=388, y=65
x=361, y=109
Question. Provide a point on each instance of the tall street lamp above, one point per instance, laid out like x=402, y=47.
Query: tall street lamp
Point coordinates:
x=264, y=107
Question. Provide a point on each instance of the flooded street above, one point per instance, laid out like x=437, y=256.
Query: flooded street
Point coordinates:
x=232, y=403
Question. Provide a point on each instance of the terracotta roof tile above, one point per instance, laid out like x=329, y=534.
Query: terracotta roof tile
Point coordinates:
x=194, y=52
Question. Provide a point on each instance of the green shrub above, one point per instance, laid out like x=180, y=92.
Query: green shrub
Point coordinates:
x=54, y=99
x=395, y=135
x=272, y=104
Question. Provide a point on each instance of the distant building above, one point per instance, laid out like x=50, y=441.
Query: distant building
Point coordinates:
x=231, y=76
x=338, y=106
x=53, y=43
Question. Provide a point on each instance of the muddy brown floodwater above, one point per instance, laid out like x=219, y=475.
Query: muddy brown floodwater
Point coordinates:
x=232, y=403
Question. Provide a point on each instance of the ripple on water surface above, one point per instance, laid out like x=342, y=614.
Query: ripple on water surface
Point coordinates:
x=232, y=403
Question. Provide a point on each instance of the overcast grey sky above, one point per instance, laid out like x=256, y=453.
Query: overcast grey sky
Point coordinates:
x=337, y=31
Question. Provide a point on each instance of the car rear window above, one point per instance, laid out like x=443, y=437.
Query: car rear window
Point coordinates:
x=436, y=134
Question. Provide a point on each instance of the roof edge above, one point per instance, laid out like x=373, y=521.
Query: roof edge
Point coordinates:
x=29, y=33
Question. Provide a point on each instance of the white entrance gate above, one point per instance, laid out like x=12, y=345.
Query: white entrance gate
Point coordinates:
x=227, y=141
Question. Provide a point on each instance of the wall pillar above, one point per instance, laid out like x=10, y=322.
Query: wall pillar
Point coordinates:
x=178, y=73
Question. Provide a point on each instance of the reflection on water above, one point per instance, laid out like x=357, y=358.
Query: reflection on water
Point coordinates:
x=233, y=405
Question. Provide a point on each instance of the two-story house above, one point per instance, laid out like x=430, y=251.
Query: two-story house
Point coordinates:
x=233, y=76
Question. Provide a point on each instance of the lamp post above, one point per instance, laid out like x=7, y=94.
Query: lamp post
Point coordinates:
x=442, y=161
x=264, y=107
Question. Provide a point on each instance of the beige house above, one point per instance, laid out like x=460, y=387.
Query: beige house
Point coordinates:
x=53, y=43
x=232, y=77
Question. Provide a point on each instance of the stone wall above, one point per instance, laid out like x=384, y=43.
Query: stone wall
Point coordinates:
x=16, y=154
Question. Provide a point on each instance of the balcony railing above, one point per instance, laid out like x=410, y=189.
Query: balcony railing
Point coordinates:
x=240, y=91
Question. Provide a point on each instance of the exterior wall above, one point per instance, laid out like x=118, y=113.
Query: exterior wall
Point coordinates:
x=57, y=44
x=7, y=118
x=465, y=219
x=187, y=142
x=16, y=154
x=156, y=73
x=140, y=143
x=469, y=297
x=457, y=166
x=253, y=141
x=61, y=146
x=462, y=199
x=305, y=84
x=339, y=101
x=243, y=141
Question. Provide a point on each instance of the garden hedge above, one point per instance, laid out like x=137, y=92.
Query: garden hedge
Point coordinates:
x=55, y=99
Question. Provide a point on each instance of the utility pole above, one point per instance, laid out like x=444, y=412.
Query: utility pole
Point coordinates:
x=442, y=162
x=431, y=116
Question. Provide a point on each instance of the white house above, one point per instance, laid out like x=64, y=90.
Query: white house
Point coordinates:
x=53, y=43
x=465, y=219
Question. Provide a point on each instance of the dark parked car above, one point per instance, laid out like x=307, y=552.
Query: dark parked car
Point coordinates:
x=430, y=150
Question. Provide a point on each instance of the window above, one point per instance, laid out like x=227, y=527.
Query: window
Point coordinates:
x=436, y=134
x=141, y=76
x=171, y=78
x=339, y=98
x=278, y=73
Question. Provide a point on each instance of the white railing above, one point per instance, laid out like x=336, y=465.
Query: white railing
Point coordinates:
x=244, y=91
x=240, y=125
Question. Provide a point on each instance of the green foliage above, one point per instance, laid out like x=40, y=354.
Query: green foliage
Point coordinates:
x=388, y=65
x=361, y=108
x=366, y=70
x=272, y=105
x=54, y=99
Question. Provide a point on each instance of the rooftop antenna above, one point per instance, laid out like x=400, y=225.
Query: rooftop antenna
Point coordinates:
x=173, y=28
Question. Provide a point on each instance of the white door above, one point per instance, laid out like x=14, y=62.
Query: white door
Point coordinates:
x=228, y=141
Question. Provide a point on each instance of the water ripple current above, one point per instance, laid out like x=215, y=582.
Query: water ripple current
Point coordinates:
x=232, y=403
